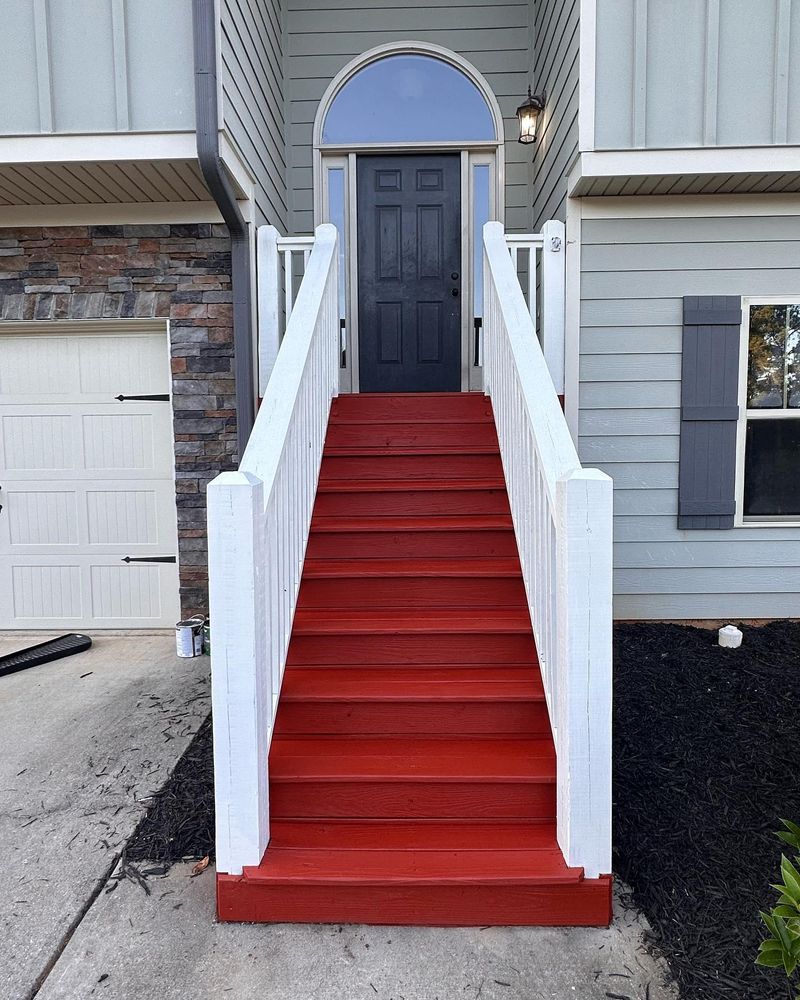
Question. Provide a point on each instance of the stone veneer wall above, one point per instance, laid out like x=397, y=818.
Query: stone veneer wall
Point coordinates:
x=175, y=272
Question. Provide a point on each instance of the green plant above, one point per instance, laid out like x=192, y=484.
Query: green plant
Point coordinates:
x=781, y=950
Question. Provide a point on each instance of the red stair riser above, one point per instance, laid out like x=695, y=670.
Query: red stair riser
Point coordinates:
x=411, y=502
x=423, y=648
x=406, y=544
x=354, y=718
x=396, y=835
x=425, y=799
x=587, y=903
x=411, y=592
x=422, y=407
x=477, y=466
x=398, y=435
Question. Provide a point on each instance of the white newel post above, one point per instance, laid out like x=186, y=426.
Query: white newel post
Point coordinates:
x=554, y=300
x=583, y=716
x=269, y=335
x=240, y=681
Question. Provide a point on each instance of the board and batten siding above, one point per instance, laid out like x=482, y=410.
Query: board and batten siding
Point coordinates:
x=555, y=71
x=321, y=39
x=96, y=66
x=251, y=49
x=697, y=73
x=635, y=272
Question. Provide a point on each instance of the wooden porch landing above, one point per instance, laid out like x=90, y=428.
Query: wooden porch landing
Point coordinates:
x=412, y=770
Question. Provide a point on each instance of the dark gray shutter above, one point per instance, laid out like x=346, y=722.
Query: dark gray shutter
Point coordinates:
x=709, y=411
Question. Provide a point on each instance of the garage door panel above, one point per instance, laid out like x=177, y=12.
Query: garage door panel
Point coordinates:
x=86, y=440
x=124, y=517
x=80, y=592
x=38, y=442
x=39, y=366
x=48, y=591
x=127, y=365
x=42, y=517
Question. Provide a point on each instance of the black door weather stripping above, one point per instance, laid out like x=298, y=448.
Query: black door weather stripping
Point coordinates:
x=207, y=125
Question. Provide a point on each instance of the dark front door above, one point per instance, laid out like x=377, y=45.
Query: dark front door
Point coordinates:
x=409, y=273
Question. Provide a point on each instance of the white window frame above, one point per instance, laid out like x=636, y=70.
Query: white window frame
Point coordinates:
x=740, y=521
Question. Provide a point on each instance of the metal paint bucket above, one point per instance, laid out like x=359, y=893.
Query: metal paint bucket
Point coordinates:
x=189, y=636
x=207, y=638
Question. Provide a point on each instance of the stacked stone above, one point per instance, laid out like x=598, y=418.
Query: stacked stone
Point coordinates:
x=179, y=273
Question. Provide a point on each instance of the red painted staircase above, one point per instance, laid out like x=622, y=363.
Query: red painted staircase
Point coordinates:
x=412, y=769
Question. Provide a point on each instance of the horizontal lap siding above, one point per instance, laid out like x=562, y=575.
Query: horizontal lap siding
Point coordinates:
x=322, y=38
x=555, y=70
x=253, y=99
x=635, y=273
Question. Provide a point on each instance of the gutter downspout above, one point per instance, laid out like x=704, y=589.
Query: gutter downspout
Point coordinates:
x=204, y=21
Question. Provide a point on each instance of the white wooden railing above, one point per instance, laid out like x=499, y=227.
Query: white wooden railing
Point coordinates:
x=258, y=525
x=544, y=267
x=278, y=266
x=562, y=520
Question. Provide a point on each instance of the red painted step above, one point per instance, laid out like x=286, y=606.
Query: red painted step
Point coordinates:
x=424, y=407
x=405, y=537
x=396, y=777
x=427, y=498
x=383, y=436
x=409, y=702
x=435, y=464
x=412, y=768
x=412, y=583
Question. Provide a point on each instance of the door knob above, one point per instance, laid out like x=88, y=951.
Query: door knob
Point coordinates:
x=454, y=293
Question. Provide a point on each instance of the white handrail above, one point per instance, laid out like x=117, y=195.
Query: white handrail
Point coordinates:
x=562, y=521
x=258, y=525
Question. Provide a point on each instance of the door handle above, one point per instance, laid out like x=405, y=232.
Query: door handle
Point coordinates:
x=454, y=293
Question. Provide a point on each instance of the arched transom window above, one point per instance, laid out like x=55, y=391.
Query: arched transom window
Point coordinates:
x=408, y=98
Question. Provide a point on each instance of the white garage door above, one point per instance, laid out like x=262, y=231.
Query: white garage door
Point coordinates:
x=88, y=532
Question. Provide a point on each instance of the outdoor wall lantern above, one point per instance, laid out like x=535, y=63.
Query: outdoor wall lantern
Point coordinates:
x=528, y=114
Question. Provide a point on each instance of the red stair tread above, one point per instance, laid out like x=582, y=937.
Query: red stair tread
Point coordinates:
x=400, y=759
x=519, y=672
x=410, y=567
x=311, y=684
x=431, y=835
x=319, y=621
x=475, y=867
x=409, y=484
x=463, y=522
x=412, y=406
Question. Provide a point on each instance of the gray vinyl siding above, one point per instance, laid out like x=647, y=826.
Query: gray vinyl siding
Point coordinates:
x=75, y=68
x=555, y=71
x=635, y=273
x=321, y=39
x=690, y=73
x=251, y=45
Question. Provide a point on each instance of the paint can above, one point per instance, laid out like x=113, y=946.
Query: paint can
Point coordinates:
x=207, y=638
x=189, y=636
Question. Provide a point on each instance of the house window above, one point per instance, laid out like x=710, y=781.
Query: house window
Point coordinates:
x=772, y=419
x=408, y=98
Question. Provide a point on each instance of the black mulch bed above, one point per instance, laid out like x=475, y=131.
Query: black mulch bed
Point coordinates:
x=179, y=824
x=707, y=759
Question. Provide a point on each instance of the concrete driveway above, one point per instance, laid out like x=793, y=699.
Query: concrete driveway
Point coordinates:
x=85, y=741
x=134, y=947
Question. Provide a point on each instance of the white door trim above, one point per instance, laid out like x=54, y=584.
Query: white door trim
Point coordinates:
x=343, y=156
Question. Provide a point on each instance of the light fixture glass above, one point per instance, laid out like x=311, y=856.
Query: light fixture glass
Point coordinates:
x=528, y=114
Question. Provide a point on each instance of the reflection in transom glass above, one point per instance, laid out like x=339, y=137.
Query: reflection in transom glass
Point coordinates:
x=773, y=372
x=408, y=98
